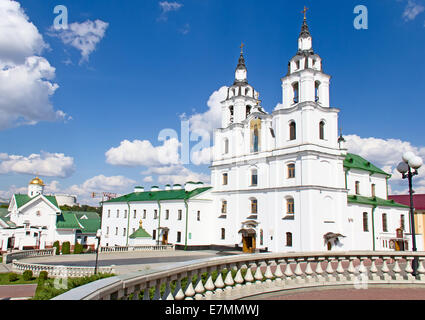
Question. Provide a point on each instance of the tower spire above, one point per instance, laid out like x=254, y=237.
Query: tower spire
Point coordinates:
x=241, y=71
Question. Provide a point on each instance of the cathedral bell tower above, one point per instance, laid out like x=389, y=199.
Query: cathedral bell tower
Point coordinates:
x=241, y=97
x=305, y=80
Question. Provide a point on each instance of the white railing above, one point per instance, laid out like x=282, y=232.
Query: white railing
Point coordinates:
x=167, y=247
x=9, y=257
x=235, y=277
x=58, y=271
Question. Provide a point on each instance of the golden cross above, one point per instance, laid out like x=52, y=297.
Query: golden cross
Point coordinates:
x=305, y=12
x=242, y=45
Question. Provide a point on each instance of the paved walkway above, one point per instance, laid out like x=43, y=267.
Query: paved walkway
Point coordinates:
x=17, y=291
x=125, y=262
x=375, y=292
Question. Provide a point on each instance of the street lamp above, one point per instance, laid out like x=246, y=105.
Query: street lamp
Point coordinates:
x=409, y=168
x=98, y=235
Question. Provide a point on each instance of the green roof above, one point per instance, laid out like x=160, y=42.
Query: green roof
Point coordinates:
x=140, y=233
x=353, y=161
x=22, y=199
x=159, y=195
x=73, y=220
x=3, y=213
x=374, y=201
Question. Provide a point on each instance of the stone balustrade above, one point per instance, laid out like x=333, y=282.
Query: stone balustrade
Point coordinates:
x=58, y=271
x=17, y=255
x=138, y=248
x=235, y=277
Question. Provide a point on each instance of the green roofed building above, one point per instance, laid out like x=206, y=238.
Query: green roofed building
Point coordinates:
x=35, y=220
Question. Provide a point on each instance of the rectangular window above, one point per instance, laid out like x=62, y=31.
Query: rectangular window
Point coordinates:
x=402, y=224
x=167, y=214
x=365, y=222
x=225, y=179
x=116, y=231
x=109, y=213
x=254, y=206
x=125, y=214
x=357, y=187
x=290, y=206
x=223, y=234
x=118, y=213
x=107, y=230
x=154, y=234
x=254, y=178
x=124, y=231
x=179, y=236
x=289, y=239
x=180, y=215
x=144, y=214
x=155, y=214
x=134, y=214
x=384, y=222
x=373, y=190
x=199, y=216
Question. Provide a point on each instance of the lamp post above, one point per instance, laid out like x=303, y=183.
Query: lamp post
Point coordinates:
x=98, y=235
x=409, y=168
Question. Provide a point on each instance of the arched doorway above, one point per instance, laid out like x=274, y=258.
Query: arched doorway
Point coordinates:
x=248, y=240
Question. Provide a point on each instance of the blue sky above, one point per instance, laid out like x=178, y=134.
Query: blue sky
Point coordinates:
x=153, y=61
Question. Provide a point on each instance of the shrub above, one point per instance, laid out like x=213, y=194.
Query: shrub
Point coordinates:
x=66, y=248
x=90, y=250
x=13, y=277
x=57, y=246
x=43, y=275
x=27, y=275
x=78, y=249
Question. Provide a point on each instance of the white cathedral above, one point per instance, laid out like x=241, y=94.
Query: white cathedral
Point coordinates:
x=281, y=182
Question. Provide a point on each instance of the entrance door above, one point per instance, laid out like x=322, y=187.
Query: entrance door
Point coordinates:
x=165, y=238
x=248, y=244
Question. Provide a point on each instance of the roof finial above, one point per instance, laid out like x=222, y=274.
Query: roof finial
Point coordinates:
x=305, y=12
x=242, y=45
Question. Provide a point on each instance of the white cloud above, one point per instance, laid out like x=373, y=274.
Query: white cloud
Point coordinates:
x=19, y=38
x=142, y=153
x=181, y=175
x=83, y=36
x=412, y=10
x=148, y=179
x=203, y=156
x=44, y=164
x=167, y=7
x=386, y=154
x=26, y=79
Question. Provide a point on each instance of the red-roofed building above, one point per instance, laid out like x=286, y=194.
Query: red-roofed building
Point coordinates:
x=418, y=204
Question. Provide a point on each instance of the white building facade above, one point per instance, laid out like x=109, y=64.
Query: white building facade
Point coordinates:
x=35, y=221
x=281, y=182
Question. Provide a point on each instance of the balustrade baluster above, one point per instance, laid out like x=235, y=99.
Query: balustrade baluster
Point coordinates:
x=178, y=292
x=268, y=274
x=374, y=270
x=397, y=269
x=408, y=269
x=258, y=274
x=189, y=291
x=385, y=270
x=340, y=269
x=309, y=271
x=248, y=276
x=168, y=295
x=288, y=271
x=421, y=269
x=319, y=270
x=209, y=285
x=199, y=288
x=330, y=271
x=278, y=272
x=238, y=278
x=157, y=294
x=146, y=293
x=219, y=284
x=298, y=271
x=228, y=281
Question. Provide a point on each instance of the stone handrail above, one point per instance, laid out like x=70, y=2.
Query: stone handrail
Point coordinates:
x=58, y=271
x=17, y=255
x=256, y=274
x=167, y=247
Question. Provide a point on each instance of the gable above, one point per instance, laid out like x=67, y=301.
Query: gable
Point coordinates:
x=24, y=201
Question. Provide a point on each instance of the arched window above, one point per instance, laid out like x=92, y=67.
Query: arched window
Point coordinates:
x=365, y=222
x=289, y=239
x=223, y=234
x=357, y=187
x=224, y=206
x=295, y=89
x=384, y=223
x=292, y=131
x=254, y=177
x=248, y=110
x=373, y=190
x=290, y=206
x=322, y=130
x=225, y=179
x=231, y=109
x=254, y=204
x=316, y=91
x=291, y=171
